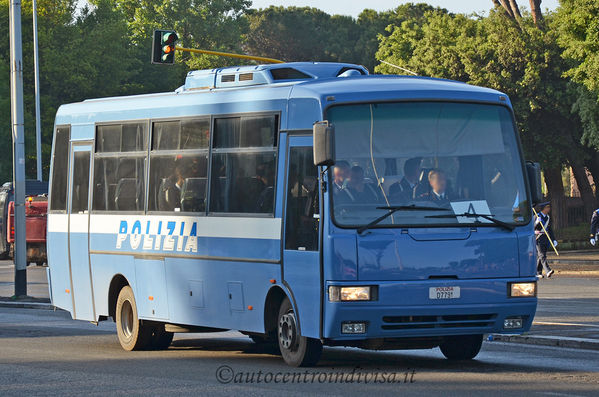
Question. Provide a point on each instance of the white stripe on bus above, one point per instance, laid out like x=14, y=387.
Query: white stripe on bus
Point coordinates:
x=226, y=227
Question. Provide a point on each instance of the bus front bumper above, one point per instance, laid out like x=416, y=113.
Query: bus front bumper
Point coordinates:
x=406, y=310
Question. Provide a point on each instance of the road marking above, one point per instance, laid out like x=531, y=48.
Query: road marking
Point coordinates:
x=565, y=324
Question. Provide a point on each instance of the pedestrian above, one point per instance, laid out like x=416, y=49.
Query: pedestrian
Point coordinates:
x=594, y=227
x=545, y=238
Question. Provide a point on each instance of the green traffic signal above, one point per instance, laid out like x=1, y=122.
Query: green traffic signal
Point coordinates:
x=163, y=47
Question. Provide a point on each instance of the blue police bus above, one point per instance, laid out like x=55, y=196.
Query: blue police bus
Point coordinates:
x=302, y=204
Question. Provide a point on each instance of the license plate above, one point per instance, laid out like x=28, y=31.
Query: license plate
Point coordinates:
x=444, y=292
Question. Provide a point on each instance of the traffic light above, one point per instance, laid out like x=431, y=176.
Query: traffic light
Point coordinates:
x=163, y=46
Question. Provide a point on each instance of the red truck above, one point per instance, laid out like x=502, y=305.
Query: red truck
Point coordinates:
x=36, y=209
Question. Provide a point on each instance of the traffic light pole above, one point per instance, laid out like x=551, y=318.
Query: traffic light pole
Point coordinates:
x=18, y=145
x=231, y=55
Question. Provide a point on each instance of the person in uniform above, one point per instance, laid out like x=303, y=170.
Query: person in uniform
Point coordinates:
x=544, y=239
x=340, y=174
x=438, y=193
x=358, y=190
x=403, y=191
x=594, y=227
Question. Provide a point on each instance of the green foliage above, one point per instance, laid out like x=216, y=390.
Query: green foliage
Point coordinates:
x=577, y=26
x=290, y=34
x=308, y=34
x=518, y=59
x=104, y=50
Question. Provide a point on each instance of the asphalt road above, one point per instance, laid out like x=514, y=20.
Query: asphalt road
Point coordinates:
x=43, y=352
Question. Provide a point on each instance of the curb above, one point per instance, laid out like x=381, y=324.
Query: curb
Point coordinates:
x=541, y=340
x=27, y=305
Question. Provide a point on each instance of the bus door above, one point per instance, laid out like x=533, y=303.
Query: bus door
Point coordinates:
x=79, y=201
x=301, y=259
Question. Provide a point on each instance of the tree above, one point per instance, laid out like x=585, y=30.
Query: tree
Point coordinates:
x=577, y=24
x=373, y=24
x=289, y=34
x=511, y=52
x=308, y=34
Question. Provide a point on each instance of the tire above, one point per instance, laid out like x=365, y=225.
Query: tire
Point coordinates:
x=297, y=350
x=160, y=339
x=133, y=334
x=462, y=347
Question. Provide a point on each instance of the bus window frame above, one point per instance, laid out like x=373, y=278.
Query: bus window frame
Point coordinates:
x=179, y=151
x=276, y=150
x=134, y=154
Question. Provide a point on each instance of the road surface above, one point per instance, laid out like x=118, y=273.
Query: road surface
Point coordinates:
x=43, y=352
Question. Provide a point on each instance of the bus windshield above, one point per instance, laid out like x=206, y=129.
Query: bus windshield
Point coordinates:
x=453, y=158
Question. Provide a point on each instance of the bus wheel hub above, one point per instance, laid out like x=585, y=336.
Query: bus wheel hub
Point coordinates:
x=287, y=331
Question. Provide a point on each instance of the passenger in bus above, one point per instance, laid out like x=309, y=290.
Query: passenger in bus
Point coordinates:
x=265, y=203
x=358, y=190
x=438, y=188
x=169, y=198
x=403, y=191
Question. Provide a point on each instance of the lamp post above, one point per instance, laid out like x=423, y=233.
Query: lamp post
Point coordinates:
x=38, y=121
x=18, y=145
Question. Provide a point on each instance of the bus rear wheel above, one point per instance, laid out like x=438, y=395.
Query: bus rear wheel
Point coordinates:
x=133, y=334
x=462, y=347
x=297, y=350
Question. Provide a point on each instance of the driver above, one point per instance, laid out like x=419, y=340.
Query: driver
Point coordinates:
x=438, y=192
x=358, y=190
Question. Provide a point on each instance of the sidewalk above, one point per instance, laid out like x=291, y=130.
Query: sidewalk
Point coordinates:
x=37, y=286
x=574, y=258
x=567, y=314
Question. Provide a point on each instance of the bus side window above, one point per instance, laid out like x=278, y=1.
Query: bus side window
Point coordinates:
x=301, y=221
x=119, y=167
x=60, y=159
x=80, y=190
x=244, y=165
x=179, y=165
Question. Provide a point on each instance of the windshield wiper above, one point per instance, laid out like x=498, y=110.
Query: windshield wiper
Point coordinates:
x=393, y=209
x=489, y=217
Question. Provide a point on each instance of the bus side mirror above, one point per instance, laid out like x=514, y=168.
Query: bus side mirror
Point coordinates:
x=533, y=171
x=324, y=143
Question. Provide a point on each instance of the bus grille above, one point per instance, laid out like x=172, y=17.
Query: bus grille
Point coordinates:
x=441, y=321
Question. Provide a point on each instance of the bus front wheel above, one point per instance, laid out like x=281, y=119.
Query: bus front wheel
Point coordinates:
x=461, y=347
x=133, y=334
x=297, y=350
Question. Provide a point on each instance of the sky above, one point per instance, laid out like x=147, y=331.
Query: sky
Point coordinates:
x=354, y=7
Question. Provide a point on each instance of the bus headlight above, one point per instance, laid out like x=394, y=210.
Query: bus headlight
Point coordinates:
x=522, y=290
x=338, y=293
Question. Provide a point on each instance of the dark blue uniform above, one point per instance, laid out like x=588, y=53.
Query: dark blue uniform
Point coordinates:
x=595, y=225
x=543, y=243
